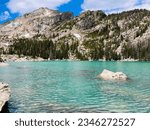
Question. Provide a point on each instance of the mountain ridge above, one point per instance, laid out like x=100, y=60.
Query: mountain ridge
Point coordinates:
x=93, y=34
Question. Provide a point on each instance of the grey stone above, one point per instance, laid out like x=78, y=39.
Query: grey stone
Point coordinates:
x=4, y=94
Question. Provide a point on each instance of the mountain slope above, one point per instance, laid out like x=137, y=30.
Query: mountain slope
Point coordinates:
x=91, y=35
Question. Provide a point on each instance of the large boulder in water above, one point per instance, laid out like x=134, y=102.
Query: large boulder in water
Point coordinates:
x=4, y=94
x=109, y=75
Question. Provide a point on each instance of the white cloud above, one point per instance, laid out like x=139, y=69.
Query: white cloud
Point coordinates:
x=25, y=6
x=146, y=1
x=145, y=4
x=112, y=6
x=4, y=16
x=107, y=4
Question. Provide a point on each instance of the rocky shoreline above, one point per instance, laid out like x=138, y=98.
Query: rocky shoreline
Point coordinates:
x=2, y=64
x=16, y=58
x=5, y=94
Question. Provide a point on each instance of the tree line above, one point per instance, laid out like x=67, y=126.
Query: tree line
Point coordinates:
x=94, y=49
x=46, y=49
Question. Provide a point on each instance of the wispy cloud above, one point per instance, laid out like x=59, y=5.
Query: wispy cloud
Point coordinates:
x=25, y=6
x=145, y=4
x=4, y=16
x=112, y=6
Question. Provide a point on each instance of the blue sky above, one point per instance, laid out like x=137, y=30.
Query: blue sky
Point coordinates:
x=10, y=9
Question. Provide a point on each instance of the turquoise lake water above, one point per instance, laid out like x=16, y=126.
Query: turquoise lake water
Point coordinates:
x=61, y=86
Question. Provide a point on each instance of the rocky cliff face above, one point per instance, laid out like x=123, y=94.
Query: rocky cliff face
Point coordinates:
x=89, y=19
x=91, y=35
x=38, y=22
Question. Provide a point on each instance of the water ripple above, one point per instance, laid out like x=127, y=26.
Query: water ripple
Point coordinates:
x=73, y=87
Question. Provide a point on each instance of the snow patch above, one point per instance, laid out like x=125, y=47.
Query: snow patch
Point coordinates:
x=27, y=35
x=77, y=36
x=119, y=49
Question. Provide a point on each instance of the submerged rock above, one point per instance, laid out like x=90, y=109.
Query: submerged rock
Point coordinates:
x=4, y=94
x=109, y=75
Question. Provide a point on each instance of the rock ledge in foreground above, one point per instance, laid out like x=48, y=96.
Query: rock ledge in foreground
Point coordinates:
x=4, y=95
x=109, y=75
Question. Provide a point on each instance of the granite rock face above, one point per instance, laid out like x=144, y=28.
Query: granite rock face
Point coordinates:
x=109, y=75
x=38, y=22
x=92, y=34
x=4, y=94
x=89, y=19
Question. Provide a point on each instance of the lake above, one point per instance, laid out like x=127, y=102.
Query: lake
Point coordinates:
x=63, y=86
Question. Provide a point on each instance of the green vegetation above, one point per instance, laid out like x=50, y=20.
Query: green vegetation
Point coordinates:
x=32, y=47
x=140, y=51
x=1, y=52
x=112, y=37
x=45, y=48
x=93, y=48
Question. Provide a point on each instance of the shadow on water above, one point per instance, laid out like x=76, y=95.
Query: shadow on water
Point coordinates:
x=6, y=108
